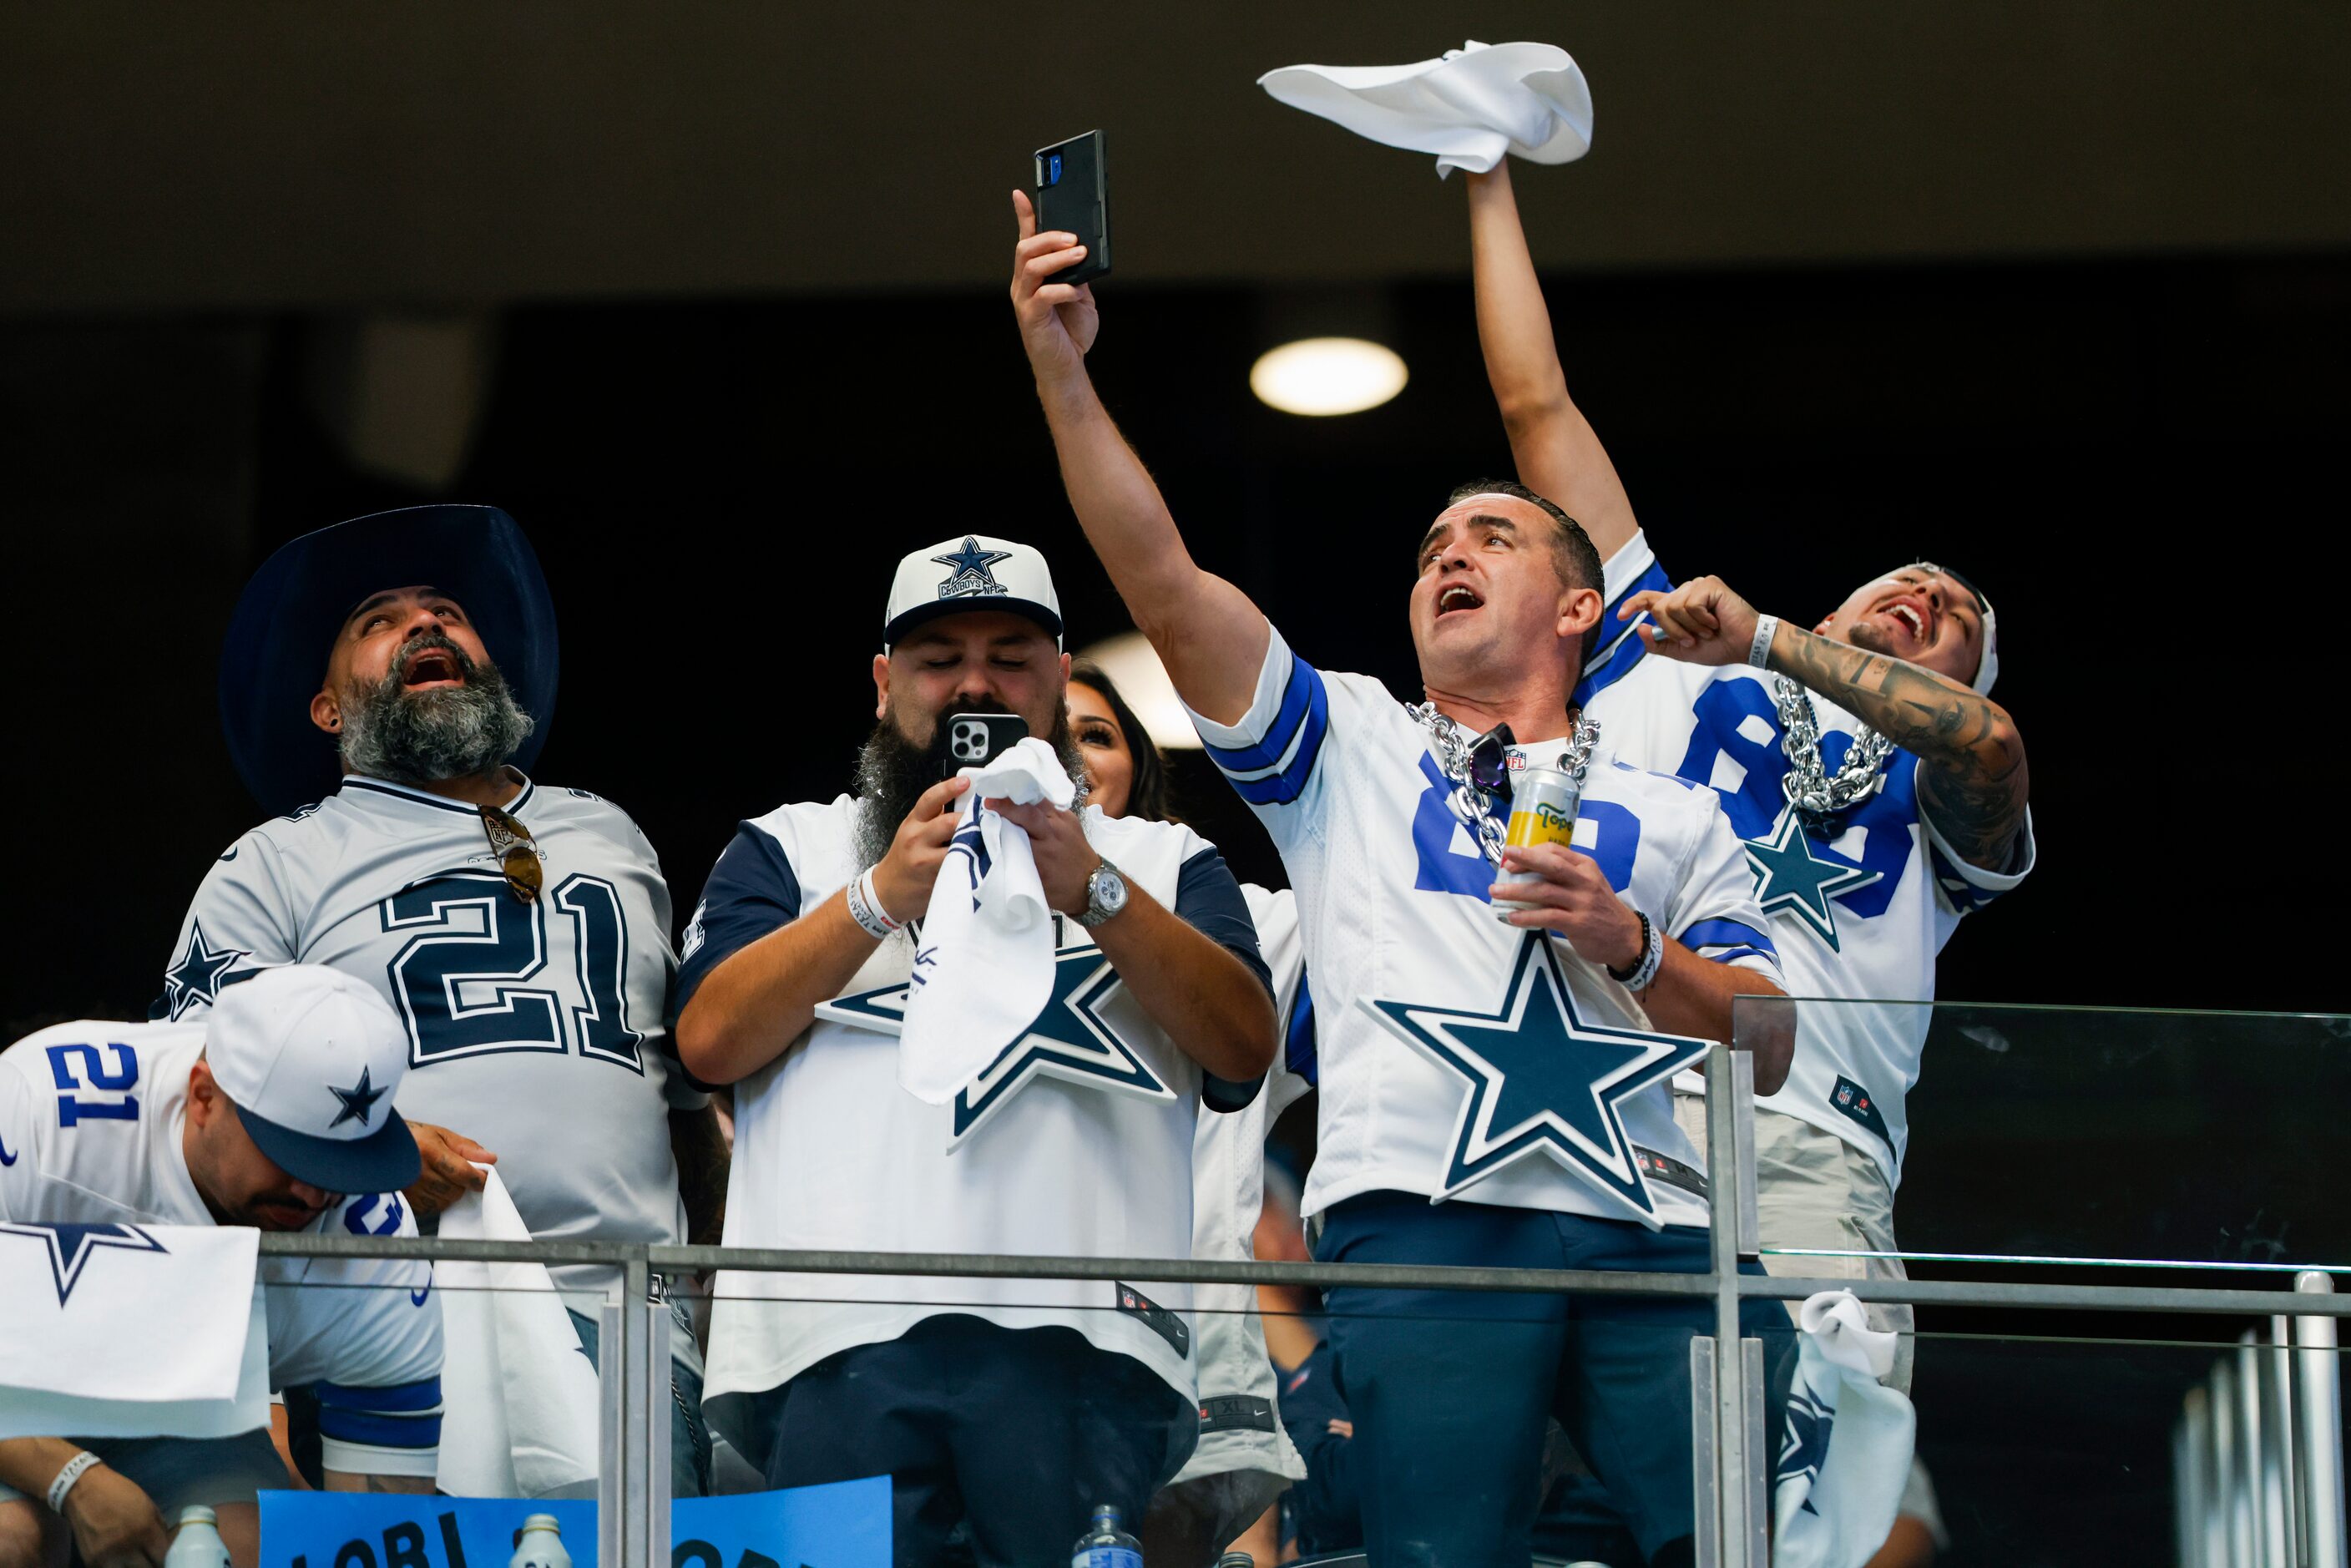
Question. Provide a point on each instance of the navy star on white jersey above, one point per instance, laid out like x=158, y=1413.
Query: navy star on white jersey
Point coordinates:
x=197, y=977
x=1789, y=876
x=70, y=1246
x=1540, y=1079
x=1069, y=1040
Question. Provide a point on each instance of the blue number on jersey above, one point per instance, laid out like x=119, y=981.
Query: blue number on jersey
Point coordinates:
x=355, y=1216
x=459, y=981
x=1887, y=818
x=1616, y=839
x=71, y=1108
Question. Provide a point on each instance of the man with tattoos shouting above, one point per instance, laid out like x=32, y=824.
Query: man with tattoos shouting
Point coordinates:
x=1880, y=791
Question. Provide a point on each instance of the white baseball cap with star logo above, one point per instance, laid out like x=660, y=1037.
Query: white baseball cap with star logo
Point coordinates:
x=956, y=576
x=311, y=1058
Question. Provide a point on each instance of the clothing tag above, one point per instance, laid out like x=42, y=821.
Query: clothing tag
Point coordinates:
x=1235, y=1412
x=1167, y=1325
x=1852, y=1099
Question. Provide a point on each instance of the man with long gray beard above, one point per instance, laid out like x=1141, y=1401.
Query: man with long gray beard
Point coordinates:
x=1000, y=1409
x=521, y=931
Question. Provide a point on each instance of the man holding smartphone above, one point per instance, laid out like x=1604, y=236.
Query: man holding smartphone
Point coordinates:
x=1007, y=1409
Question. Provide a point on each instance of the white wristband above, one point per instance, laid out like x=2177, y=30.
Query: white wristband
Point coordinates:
x=1759, y=651
x=74, y=1469
x=865, y=906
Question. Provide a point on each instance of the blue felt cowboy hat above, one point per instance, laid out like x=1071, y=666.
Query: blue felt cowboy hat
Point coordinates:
x=275, y=658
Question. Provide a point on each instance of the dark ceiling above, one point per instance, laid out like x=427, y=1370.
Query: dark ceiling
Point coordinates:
x=241, y=153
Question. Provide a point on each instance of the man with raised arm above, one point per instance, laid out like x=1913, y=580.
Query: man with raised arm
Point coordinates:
x=1492, y=1078
x=1880, y=791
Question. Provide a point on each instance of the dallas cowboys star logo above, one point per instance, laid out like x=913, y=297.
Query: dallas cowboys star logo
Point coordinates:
x=1789, y=876
x=971, y=574
x=1070, y=1039
x=1806, y=1447
x=197, y=977
x=71, y=1247
x=358, y=1102
x=1540, y=1079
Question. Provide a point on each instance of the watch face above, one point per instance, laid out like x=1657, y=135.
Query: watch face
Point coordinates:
x=1106, y=892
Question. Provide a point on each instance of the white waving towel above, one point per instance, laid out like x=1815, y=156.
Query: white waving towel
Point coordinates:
x=1470, y=108
x=78, y=1348
x=984, y=963
x=1847, y=1451
x=521, y=1399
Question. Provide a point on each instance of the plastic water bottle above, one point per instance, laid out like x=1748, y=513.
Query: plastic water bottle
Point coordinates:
x=541, y=1545
x=1236, y=1559
x=198, y=1543
x=1106, y=1545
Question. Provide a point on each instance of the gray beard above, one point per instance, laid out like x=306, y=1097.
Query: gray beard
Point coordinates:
x=892, y=772
x=424, y=737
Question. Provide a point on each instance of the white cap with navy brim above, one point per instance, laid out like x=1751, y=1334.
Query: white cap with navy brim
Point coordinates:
x=955, y=577
x=311, y=1058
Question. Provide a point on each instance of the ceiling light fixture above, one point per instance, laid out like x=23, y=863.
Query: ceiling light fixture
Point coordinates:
x=1325, y=376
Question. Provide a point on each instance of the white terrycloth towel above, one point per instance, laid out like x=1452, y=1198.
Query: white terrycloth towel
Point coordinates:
x=78, y=1348
x=1847, y=1451
x=1470, y=106
x=519, y=1397
x=984, y=964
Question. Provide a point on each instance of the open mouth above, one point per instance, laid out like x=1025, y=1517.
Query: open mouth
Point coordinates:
x=432, y=667
x=1458, y=597
x=1909, y=614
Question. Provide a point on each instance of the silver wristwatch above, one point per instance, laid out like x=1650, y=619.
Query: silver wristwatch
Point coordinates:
x=1105, y=895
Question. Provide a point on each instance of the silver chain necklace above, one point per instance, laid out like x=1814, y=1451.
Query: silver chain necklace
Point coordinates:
x=1467, y=801
x=1807, y=785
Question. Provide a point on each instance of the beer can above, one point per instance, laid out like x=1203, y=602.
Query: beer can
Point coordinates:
x=1543, y=803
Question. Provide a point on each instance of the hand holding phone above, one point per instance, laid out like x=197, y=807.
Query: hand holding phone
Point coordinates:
x=1072, y=194
x=976, y=740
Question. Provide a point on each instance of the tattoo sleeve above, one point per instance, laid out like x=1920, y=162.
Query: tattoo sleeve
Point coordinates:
x=701, y=1150
x=1972, y=779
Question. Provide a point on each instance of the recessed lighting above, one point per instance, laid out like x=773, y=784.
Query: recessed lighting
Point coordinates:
x=1132, y=665
x=1322, y=376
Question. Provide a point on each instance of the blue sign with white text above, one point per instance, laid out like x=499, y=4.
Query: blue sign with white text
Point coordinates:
x=844, y=1524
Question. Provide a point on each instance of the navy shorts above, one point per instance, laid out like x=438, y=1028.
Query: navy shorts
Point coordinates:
x=1451, y=1391
x=998, y=1440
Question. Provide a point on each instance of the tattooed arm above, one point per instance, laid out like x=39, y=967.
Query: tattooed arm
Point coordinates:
x=1972, y=779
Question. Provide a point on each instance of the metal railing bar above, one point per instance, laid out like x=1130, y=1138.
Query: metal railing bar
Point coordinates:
x=1372, y=1276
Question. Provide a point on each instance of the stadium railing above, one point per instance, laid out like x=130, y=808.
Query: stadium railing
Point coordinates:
x=2085, y=1164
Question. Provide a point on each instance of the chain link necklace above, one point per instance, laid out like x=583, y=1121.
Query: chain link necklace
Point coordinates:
x=1468, y=802
x=1808, y=786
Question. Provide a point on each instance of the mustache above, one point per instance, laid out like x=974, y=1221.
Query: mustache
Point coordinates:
x=428, y=642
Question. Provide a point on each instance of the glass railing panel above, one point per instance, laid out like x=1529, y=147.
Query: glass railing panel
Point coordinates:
x=1003, y=1414
x=2207, y=1140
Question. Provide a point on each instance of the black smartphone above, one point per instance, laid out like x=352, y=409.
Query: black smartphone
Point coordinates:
x=1073, y=195
x=976, y=739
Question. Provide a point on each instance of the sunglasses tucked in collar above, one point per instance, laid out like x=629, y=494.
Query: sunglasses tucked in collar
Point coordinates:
x=518, y=853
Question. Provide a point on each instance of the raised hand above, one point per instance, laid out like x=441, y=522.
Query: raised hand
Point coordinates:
x=1057, y=320
x=903, y=880
x=1700, y=622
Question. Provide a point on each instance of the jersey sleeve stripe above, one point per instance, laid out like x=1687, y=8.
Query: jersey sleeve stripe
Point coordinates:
x=1304, y=709
x=1719, y=933
x=1613, y=631
x=377, y=1431
x=424, y=1393
x=1288, y=782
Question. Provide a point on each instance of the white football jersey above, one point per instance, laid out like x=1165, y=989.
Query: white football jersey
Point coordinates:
x=1859, y=914
x=1460, y=1057
x=539, y=1030
x=1240, y=1413
x=1076, y=1142
x=91, y=1117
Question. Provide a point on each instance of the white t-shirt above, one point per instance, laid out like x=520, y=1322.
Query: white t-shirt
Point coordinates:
x=541, y=1030
x=1859, y=915
x=1459, y=1056
x=1240, y=1413
x=1081, y=1145
x=91, y=1117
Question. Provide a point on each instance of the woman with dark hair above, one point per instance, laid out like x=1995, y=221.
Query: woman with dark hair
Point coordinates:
x=1128, y=777
x=1245, y=1457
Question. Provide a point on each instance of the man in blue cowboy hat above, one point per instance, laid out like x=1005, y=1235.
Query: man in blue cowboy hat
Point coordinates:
x=383, y=683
